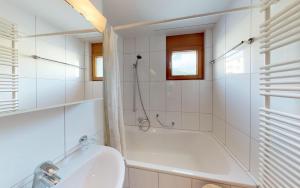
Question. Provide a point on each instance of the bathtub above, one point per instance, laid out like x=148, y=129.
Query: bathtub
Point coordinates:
x=196, y=155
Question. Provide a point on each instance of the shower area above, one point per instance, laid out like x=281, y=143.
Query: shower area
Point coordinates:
x=232, y=127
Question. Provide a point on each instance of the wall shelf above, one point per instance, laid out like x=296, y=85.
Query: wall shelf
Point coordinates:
x=48, y=107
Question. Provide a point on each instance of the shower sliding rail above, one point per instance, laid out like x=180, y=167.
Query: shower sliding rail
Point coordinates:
x=8, y=67
x=279, y=137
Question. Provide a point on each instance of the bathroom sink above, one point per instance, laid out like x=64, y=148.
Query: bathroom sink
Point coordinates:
x=92, y=167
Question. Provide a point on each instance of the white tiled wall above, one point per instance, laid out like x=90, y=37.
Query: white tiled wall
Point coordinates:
x=235, y=91
x=31, y=138
x=187, y=103
x=138, y=178
x=236, y=98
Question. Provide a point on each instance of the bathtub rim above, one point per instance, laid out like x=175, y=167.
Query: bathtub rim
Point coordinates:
x=198, y=175
x=248, y=182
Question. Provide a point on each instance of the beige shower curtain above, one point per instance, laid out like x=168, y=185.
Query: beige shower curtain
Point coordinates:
x=115, y=135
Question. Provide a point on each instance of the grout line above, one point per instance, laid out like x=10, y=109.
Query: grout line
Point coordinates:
x=36, y=62
x=225, y=86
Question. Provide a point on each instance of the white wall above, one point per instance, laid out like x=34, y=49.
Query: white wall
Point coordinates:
x=31, y=138
x=187, y=103
x=236, y=96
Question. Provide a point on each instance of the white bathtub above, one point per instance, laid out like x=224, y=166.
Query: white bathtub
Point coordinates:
x=184, y=153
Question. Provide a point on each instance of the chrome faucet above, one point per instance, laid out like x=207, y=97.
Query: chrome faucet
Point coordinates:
x=45, y=175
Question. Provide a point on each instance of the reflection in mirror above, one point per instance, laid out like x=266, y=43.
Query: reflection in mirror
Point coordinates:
x=48, y=63
x=97, y=61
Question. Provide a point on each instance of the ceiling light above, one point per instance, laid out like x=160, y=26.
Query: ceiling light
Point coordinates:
x=90, y=12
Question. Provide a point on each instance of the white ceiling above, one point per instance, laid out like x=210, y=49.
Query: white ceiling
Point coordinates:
x=56, y=12
x=59, y=13
x=128, y=11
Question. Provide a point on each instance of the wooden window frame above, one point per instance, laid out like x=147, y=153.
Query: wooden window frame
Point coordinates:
x=97, y=50
x=188, y=42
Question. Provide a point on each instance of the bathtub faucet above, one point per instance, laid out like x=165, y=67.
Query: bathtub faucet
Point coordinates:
x=45, y=175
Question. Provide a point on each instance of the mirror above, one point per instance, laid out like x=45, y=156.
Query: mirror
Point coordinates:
x=46, y=62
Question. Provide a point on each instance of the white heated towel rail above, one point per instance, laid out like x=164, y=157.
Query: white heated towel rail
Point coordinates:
x=279, y=151
x=8, y=67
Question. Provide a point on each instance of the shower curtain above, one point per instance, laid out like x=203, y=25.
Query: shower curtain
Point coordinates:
x=114, y=127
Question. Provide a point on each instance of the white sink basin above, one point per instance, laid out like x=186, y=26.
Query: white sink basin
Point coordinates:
x=93, y=167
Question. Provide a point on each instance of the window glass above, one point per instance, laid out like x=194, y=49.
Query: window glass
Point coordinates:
x=185, y=57
x=184, y=63
x=99, y=66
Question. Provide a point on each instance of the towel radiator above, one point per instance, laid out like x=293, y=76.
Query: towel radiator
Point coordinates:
x=8, y=67
x=279, y=148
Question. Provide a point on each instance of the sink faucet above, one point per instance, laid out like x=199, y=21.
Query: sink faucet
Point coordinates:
x=45, y=175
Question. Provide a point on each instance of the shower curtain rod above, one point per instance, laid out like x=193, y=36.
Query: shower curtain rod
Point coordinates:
x=144, y=23
x=249, y=41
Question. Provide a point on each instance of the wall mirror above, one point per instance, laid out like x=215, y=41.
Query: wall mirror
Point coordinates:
x=51, y=58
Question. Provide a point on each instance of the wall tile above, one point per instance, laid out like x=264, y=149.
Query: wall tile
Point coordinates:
x=129, y=117
x=173, y=89
x=80, y=121
x=145, y=93
x=52, y=47
x=142, y=178
x=167, y=98
x=50, y=92
x=74, y=91
x=158, y=66
x=219, y=129
x=143, y=67
x=219, y=69
x=129, y=60
x=129, y=45
x=142, y=44
x=27, y=93
x=27, y=65
x=74, y=73
x=190, y=121
x=128, y=95
x=219, y=99
x=254, y=160
x=74, y=51
x=206, y=122
x=161, y=117
x=190, y=96
x=157, y=43
x=140, y=114
x=174, y=117
x=239, y=144
x=157, y=96
x=30, y=133
x=88, y=90
x=208, y=66
x=238, y=102
x=205, y=97
x=238, y=62
x=98, y=89
x=219, y=39
x=256, y=103
x=237, y=28
x=208, y=38
x=169, y=181
x=50, y=70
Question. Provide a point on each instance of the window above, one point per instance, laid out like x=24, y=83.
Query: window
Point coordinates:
x=185, y=57
x=97, y=61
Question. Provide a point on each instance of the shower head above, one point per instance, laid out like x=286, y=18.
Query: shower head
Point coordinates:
x=138, y=57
